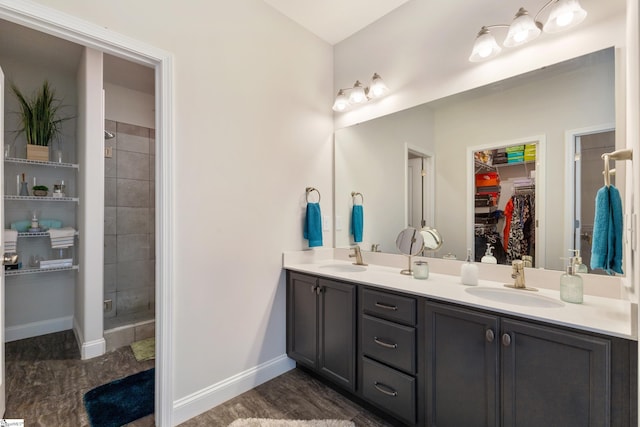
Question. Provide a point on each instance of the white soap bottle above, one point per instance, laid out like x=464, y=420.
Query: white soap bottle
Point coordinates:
x=469, y=271
x=488, y=257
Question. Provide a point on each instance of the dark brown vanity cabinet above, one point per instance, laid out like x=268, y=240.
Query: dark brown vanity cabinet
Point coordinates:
x=388, y=353
x=487, y=370
x=321, y=326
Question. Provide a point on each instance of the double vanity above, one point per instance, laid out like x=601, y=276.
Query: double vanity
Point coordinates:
x=435, y=352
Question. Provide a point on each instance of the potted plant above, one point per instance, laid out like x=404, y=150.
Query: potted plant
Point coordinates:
x=40, y=190
x=39, y=119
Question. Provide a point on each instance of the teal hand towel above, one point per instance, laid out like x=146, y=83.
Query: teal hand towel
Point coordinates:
x=606, y=247
x=357, y=223
x=313, y=225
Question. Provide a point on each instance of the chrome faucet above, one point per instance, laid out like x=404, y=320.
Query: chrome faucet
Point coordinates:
x=517, y=273
x=375, y=247
x=358, y=255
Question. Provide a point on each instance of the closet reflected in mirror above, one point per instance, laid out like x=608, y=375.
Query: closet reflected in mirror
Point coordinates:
x=505, y=202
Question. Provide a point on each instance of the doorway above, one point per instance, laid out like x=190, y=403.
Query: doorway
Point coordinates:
x=67, y=27
x=420, y=188
x=588, y=179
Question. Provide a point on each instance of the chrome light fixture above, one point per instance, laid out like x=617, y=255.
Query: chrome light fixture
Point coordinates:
x=359, y=94
x=564, y=14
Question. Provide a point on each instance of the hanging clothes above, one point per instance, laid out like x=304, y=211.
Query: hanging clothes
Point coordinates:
x=521, y=236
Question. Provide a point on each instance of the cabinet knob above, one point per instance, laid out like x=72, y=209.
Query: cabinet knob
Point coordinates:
x=318, y=290
x=313, y=289
x=506, y=340
x=489, y=335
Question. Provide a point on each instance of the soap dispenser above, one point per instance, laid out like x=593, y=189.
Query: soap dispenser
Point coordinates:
x=580, y=268
x=571, y=287
x=488, y=257
x=469, y=271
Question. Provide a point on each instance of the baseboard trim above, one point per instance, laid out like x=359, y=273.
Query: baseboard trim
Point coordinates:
x=209, y=397
x=34, y=329
x=88, y=349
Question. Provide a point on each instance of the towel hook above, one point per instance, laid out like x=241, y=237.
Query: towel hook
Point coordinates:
x=624, y=154
x=311, y=189
x=354, y=195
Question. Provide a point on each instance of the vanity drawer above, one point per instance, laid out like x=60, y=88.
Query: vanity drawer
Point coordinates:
x=389, y=306
x=389, y=343
x=392, y=390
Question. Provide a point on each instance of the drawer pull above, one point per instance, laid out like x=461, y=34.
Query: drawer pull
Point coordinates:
x=385, y=389
x=313, y=289
x=384, y=344
x=386, y=306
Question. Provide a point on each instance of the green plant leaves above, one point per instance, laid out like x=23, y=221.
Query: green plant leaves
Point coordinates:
x=39, y=115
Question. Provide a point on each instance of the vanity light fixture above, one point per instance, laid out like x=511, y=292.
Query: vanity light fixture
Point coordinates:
x=564, y=14
x=359, y=94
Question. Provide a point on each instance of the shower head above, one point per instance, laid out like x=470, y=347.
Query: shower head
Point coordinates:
x=109, y=135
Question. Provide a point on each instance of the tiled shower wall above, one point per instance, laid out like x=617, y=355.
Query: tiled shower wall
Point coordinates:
x=129, y=213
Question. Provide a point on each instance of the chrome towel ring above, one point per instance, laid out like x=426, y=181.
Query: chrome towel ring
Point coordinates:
x=310, y=190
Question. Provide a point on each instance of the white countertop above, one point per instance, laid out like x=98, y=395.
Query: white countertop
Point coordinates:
x=608, y=316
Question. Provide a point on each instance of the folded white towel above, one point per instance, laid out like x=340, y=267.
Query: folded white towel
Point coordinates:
x=10, y=236
x=62, y=237
x=10, y=241
x=57, y=233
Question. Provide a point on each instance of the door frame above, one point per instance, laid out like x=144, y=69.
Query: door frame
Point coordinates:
x=570, y=171
x=429, y=187
x=71, y=28
x=540, y=199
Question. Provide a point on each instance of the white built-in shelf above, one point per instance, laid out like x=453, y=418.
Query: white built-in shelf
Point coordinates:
x=22, y=271
x=38, y=234
x=42, y=199
x=41, y=163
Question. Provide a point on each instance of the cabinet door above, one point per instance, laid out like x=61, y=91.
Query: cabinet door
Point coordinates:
x=462, y=367
x=337, y=332
x=553, y=377
x=302, y=314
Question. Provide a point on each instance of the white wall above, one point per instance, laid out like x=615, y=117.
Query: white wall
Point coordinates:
x=129, y=106
x=253, y=128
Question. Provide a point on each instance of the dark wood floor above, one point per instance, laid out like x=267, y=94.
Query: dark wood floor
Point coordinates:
x=46, y=381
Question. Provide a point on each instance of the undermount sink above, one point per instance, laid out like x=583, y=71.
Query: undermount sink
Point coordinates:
x=515, y=296
x=342, y=268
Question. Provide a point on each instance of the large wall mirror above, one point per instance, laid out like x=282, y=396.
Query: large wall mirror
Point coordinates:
x=379, y=158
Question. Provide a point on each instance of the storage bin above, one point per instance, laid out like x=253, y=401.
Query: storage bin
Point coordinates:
x=487, y=179
x=514, y=148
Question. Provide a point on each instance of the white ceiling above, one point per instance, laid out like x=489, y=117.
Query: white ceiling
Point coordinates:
x=335, y=20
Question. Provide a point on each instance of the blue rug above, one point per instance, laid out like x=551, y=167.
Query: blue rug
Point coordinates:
x=121, y=401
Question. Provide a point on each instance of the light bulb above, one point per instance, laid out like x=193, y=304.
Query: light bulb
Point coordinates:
x=485, y=46
x=341, y=103
x=357, y=95
x=377, y=88
x=565, y=14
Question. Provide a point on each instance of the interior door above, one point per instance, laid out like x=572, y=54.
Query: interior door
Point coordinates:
x=2, y=384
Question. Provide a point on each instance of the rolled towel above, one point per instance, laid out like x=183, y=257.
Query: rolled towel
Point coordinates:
x=606, y=247
x=313, y=225
x=357, y=223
